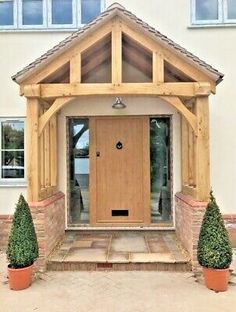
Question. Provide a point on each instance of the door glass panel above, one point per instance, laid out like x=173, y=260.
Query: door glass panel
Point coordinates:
x=160, y=170
x=79, y=170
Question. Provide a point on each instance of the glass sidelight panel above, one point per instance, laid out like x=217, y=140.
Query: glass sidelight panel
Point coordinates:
x=79, y=170
x=160, y=170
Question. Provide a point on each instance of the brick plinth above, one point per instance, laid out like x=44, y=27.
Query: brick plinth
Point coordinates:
x=230, y=223
x=189, y=215
x=49, y=221
x=5, y=227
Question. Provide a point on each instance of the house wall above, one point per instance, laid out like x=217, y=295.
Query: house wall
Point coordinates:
x=216, y=46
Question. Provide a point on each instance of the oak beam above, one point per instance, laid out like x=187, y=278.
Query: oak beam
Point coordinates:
x=53, y=151
x=157, y=68
x=116, y=53
x=184, y=152
x=75, y=68
x=178, y=104
x=183, y=89
x=54, y=108
x=33, y=151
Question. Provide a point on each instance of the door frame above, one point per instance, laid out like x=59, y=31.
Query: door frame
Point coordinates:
x=90, y=226
x=146, y=172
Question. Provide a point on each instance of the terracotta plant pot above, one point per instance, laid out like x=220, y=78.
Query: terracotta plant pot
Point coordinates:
x=20, y=278
x=216, y=279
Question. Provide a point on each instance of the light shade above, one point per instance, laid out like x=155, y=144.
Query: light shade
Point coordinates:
x=118, y=104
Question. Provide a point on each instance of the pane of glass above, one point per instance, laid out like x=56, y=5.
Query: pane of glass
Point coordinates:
x=13, y=135
x=32, y=11
x=13, y=165
x=160, y=170
x=62, y=12
x=231, y=9
x=79, y=170
x=206, y=10
x=6, y=12
x=89, y=10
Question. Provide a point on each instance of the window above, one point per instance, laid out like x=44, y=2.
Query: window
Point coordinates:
x=12, y=145
x=208, y=12
x=48, y=14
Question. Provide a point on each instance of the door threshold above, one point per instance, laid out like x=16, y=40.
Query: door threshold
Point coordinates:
x=119, y=228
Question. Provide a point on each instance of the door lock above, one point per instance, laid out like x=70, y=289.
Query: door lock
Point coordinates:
x=98, y=154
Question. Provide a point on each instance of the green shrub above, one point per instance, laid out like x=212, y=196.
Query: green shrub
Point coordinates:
x=22, y=248
x=214, y=248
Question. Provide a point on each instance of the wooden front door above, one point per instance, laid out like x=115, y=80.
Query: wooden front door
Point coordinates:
x=120, y=181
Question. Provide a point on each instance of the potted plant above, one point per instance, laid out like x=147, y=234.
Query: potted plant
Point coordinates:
x=22, y=248
x=214, y=250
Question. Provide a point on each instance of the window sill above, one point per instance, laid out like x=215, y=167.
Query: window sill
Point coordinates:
x=12, y=184
x=193, y=26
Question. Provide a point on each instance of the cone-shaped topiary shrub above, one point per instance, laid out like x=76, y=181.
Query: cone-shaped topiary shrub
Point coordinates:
x=214, y=248
x=22, y=248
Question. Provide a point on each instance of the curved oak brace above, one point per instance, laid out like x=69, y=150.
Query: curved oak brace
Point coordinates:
x=178, y=104
x=174, y=101
x=56, y=106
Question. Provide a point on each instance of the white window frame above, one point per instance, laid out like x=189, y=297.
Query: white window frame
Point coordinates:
x=20, y=16
x=74, y=20
x=14, y=17
x=222, y=12
x=47, y=17
x=13, y=181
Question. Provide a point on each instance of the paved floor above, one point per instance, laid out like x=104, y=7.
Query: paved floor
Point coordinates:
x=116, y=292
x=120, y=247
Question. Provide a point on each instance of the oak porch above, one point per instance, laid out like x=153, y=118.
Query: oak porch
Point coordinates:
x=174, y=78
x=175, y=75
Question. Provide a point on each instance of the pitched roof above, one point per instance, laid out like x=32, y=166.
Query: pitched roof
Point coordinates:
x=111, y=11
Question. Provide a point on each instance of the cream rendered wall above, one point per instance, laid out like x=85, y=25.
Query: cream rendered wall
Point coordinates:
x=100, y=106
x=16, y=51
x=217, y=46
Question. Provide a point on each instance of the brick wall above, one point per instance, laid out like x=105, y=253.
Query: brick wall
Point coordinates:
x=49, y=221
x=230, y=222
x=189, y=215
x=5, y=227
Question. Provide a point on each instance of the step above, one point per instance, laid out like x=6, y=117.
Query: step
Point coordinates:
x=119, y=251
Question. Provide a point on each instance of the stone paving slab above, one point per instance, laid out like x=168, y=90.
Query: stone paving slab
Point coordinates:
x=120, y=247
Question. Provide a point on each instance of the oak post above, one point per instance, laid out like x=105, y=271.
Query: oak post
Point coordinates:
x=33, y=151
x=202, y=154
